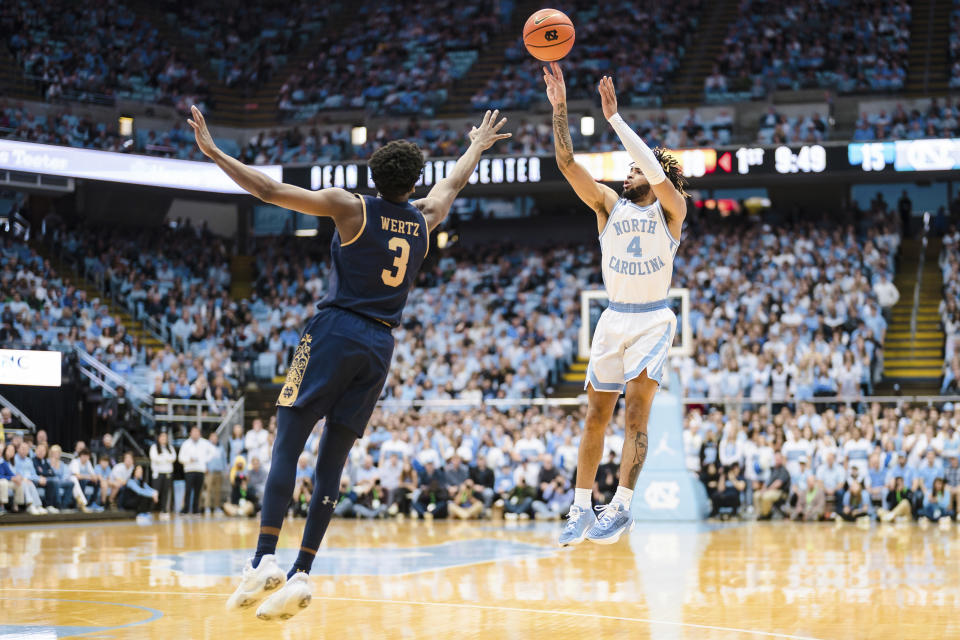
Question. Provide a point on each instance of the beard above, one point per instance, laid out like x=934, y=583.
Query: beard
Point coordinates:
x=637, y=193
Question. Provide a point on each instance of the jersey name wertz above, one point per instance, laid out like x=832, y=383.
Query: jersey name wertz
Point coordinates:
x=400, y=226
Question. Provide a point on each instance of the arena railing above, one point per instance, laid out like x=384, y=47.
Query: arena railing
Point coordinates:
x=197, y=413
x=512, y=403
x=15, y=410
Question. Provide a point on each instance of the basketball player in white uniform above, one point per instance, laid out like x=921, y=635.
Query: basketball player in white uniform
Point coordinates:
x=639, y=234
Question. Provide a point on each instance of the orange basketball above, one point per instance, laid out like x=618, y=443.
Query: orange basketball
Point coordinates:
x=548, y=35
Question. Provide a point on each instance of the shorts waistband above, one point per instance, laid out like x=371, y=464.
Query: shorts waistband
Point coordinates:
x=382, y=323
x=640, y=307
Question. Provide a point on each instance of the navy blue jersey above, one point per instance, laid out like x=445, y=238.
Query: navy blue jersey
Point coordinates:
x=372, y=273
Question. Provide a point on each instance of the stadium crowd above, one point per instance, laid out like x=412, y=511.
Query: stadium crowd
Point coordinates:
x=246, y=43
x=780, y=310
x=881, y=462
x=403, y=61
x=606, y=42
x=938, y=120
x=950, y=310
x=97, y=51
x=840, y=44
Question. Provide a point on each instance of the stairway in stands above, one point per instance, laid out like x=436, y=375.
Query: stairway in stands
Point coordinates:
x=571, y=382
x=12, y=82
x=241, y=277
x=489, y=62
x=929, y=71
x=72, y=277
x=698, y=61
x=232, y=108
x=914, y=360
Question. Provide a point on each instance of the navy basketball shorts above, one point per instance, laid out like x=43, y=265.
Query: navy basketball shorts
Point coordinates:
x=339, y=368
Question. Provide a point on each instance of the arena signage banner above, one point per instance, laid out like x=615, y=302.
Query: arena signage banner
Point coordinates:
x=489, y=171
x=941, y=154
x=121, y=167
x=32, y=368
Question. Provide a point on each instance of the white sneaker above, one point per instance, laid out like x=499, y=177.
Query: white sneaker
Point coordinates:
x=34, y=510
x=944, y=524
x=293, y=598
x=256, y=583
x=52, y=510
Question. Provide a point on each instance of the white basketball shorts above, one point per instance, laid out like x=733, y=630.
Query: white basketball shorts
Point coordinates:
x=628, y=339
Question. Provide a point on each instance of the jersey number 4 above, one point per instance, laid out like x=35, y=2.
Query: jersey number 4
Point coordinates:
x=393, y=278
x=634, y=247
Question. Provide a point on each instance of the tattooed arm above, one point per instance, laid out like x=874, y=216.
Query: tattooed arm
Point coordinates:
x=597, y=196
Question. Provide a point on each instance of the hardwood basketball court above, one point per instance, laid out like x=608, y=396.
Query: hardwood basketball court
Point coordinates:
x=388, y=579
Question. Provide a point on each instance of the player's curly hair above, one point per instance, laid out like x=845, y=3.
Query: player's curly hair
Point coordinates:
x=672, y=168
x=395, y=168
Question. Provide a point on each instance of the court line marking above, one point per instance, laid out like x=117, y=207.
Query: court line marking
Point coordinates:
x=466, y=605
x=155, y=614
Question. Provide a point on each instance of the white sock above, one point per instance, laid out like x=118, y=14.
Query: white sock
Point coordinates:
x=623, y=496
x=582, y=498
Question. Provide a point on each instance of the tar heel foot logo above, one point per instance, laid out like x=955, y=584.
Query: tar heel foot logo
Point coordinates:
x=662, y=496
x=291, y=386
x=551, y=35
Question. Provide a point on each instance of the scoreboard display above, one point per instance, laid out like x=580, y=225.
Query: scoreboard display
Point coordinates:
x=906, y=155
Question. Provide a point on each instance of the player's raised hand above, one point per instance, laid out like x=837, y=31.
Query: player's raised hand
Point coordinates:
x=556, y=89
x=608, y=97
x=489, y=130
x=199, y=125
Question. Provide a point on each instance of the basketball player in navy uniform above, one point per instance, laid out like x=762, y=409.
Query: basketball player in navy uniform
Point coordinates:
x=639, y=235
x=340, y=366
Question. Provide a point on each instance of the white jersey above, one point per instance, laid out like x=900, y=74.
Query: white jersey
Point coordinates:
x=637, y=254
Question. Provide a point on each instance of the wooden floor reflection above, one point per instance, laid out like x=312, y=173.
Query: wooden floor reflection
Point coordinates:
x=488, y=580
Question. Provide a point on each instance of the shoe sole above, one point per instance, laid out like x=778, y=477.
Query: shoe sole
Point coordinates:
x=254, y=597
x=302, y=604
x=614, y=538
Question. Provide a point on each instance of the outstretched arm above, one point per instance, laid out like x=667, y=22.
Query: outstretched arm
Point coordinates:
x=436, y=205
x=673, y=202
x=598, y=197
x=334, y=203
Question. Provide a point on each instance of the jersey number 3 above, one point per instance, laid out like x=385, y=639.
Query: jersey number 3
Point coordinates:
x=402, y=248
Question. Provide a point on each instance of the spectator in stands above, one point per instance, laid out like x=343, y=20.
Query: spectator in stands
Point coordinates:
x=519, y=500
x=899, y=502
x=775, y=490
x=72, y=495
x=24, y=491
x=92, y=483
x=483, y=480
x=952, y=479
x=105, y=448
x=432, y=501
x=833, y=476
x=936, y=504
x=215, y=461
x=856, y=506
x=193, y=458
x=23, y=465
x=236, y=445
x=812, y=502
x=243, y=501
x=556, y=496
x=162, y=457
x=137, y=495
x=56, y=491
x=119, y=475
x=255, y=441
x=465, y=503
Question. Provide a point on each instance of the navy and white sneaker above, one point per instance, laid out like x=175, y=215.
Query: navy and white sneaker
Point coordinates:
x=615, y=518
x=579, y=521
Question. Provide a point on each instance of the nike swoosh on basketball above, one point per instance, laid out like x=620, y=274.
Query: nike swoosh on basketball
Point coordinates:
x=539, y=20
